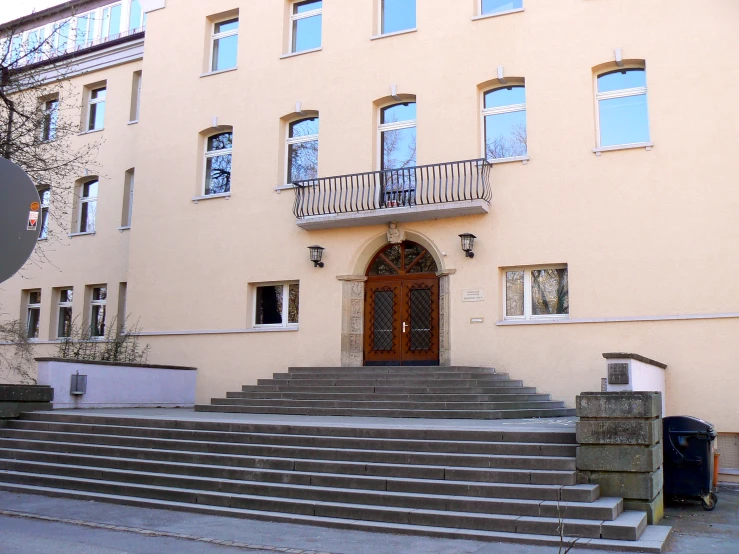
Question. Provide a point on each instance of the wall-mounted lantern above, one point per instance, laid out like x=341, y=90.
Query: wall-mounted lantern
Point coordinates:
x=316, y=253
x=468, y=243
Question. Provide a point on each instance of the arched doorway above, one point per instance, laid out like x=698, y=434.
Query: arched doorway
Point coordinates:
x=401, y=307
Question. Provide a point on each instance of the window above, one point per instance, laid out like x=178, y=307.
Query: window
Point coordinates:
x=135, y=96
x=218, y=164
x=225, y=44
x=137, y=17
x=50, y=118
x=45, y=195
x=96, y=109
x=504, y=119
x=306, y=20
x=61, y=34
x=397, y=15
x=85, y=30
x=64, y=318
x=622, y=107
x=277, y=305
x=121, y=318
x=488, y=7
x=33, y=314
x=35, y=44
x=128, y=183
x=302, y=150
x=536, y=293
x=97, y=311
x=111, y=26
x=398, y=152
x=88, y=207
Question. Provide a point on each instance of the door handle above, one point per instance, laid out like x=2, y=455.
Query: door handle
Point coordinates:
x=404, y=326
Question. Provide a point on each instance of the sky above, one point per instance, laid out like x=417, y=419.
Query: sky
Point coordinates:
x=12, y=9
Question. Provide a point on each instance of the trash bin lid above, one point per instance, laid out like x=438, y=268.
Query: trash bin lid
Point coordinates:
x=688, y=425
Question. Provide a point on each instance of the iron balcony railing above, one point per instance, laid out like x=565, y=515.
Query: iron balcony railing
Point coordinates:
x=441, y=183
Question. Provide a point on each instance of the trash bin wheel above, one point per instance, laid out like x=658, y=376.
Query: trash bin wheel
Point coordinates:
x=709, y=501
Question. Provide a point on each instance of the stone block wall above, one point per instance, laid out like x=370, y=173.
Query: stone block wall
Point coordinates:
x=620, y=447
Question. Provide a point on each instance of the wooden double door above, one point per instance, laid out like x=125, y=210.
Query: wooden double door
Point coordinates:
x=402, y=308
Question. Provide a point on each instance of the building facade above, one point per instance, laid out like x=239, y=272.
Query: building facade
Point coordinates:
x=578, y=141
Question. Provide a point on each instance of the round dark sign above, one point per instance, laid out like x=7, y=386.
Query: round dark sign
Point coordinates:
x=20, y=218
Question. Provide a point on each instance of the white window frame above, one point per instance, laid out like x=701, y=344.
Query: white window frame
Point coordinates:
x=511, y=108
x=381, y=22
x=297, y=140
x=285, y=306
x=105, y=12
x=90, y=38
x=35, y=306
x=44, y=213
x=527, y=297
x=92, y=102
x=60, y=306
x=41, y=40
x=296, y=17
x=215, y=154
x=217, y=36
x=130, y=177
x=621, y=93
x=395, y=126
x=48, y=114
x=87, y=200
x=98, y=303
x=493, y=14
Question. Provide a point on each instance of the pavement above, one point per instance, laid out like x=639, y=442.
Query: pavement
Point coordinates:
x=37, y=524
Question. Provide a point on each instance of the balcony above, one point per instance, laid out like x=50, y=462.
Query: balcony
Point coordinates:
x=417, y=193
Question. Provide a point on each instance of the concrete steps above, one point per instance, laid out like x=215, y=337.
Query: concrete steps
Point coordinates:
x=458, y=392
x=516, y=486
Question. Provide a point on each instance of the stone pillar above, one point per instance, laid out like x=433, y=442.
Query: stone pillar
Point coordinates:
x=445, y=301
x=352, y=320
x=620, y=447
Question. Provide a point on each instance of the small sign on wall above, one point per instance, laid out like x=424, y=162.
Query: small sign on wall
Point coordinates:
x=474, y=320
x=473, y=295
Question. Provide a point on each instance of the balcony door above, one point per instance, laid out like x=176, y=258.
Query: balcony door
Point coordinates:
x=398, y=155
x=402, y=307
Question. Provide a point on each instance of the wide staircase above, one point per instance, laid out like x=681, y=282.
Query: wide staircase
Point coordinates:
x=489, y=481
x=456, y=392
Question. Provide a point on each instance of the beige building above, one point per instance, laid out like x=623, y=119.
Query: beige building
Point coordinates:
x=598, y=179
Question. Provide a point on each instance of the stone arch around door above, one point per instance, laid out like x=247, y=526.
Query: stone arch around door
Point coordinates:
x=353, y=293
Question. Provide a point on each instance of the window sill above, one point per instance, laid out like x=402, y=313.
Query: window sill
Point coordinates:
x=524, y=159
x=81, y=234
x=289, y=186
x=91, y=131
x=542, y=321
x=249, y=330
x=125, y=228
x=496, y=14
x=293, y=54
x=396, y=33
x=218, y=72
x=271, y=329
x=646, y=145
x=225, y=195
x=134, y=122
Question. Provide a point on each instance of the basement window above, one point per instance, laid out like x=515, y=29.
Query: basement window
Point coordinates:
x=536, y=293
x=277, y=305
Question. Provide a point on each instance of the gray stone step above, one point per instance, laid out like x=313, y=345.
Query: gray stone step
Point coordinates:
x=377, y=469
x=295, y=427
x=303, y=452
x=523, y=491
x=651, y=540
x=373, y=376
x=490, y=381
x=603, y=509
x=325, y=441
x=509, y=397
x=501, y=387
x=423, y=370
x=420, y=413
x=391, y=404
x=543, y=525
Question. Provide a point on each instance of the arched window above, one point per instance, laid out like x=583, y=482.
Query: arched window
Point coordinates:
x=398, y=154
x=302, y=150
x=218, y=152
x=622, y=107
x=504, y=121
x=400, y=259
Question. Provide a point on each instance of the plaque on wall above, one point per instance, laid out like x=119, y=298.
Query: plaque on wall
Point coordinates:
x=618, y=374
x=473, y=295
